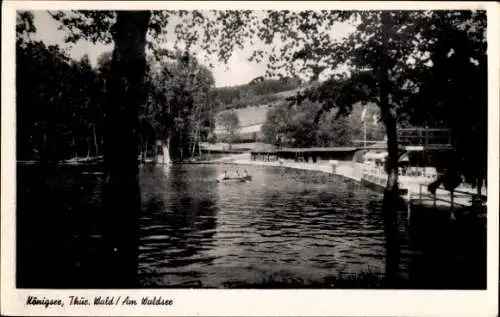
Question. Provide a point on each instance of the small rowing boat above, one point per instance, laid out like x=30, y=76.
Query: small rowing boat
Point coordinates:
x=235, y=179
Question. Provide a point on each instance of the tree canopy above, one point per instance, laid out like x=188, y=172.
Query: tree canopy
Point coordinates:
x=395, y=59
x=230, y=123
x=57, y=120
x=303, y=125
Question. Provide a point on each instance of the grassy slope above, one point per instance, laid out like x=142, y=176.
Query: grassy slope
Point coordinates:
x=256, y=113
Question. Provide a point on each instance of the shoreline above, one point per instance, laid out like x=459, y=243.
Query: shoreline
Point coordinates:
x=344, y=169
x=341, y=170
x=416, y=188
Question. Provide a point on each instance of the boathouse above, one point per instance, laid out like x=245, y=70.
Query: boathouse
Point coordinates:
x=308, y=155
x=417, y=147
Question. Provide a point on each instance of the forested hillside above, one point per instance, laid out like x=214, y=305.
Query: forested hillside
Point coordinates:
x=258, y=91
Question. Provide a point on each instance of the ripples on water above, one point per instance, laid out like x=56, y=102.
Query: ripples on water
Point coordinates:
x=194, y=232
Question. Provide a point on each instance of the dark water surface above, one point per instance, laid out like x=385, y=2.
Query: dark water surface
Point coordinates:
x=286, y=226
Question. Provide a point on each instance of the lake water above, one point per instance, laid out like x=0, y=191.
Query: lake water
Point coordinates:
x=297, y=227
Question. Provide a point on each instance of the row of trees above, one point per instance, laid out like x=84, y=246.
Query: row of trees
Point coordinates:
x=180, y=105
x=60, y=102
x=56, y=120
x=305, y=125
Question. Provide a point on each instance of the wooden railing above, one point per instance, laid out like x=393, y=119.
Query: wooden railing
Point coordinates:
x=455, y=198
x=424, y=137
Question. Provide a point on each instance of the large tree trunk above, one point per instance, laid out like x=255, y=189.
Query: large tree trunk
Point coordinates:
x=391, y=194
x=121, y=199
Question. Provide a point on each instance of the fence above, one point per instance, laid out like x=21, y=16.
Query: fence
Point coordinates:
x=454, y=198
x=424, y=136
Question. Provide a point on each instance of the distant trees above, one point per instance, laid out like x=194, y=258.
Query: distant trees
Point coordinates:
x=179, y=107
x=304, y=125
x=276, y=127
x=230, y=123
x=258, y=91
x=64, y=117
x=57, y=120
x=343, y=129
x=291, y=126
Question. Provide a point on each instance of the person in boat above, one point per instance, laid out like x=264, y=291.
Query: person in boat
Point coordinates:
x=224, y=176
x=246, y=176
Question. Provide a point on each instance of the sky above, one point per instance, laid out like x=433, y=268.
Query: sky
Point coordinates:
x=236, y=72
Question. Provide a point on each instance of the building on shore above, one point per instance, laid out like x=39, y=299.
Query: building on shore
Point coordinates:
x=418, y=147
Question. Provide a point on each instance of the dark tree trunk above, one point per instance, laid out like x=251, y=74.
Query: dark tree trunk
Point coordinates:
x=391, y=194
x=121, y=199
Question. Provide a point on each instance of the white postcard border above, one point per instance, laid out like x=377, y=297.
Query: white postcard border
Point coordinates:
x=249, y=302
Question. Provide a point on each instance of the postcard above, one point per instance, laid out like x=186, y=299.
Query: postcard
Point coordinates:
x=184, y=158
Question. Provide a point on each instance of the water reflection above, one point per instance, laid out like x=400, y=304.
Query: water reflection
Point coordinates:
x=298, y=226
x=178, y=225
x=198, y=232
x=59, y=227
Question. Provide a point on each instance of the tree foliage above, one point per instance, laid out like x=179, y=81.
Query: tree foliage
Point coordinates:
x=230, y=123
x=258, y=91
x=56, y=120
x=180, y=103
x=457, y=54
x=305, y=125
x=411, y=64
x=418, y=52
